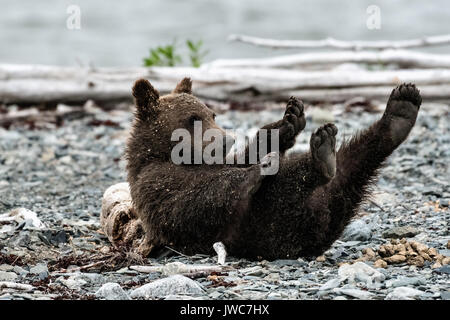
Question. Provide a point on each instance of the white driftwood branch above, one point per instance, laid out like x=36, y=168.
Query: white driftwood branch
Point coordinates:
x=14, y=285
x=402, y=58
x=346, y=45
x=178, y=268
x=219, y=247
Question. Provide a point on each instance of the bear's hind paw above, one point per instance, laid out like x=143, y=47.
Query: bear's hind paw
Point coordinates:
x=323, y=150
x=401, y=112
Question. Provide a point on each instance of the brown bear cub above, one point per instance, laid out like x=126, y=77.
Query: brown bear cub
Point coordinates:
x=299, y=211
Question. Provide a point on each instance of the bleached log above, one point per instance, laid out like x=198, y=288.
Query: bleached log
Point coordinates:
x=282, y=79
x=346, y=45
x=26, y=71
x=16, y=286
x=178, y=268
x=402, y=58
x=217, y=83
x=428, y=92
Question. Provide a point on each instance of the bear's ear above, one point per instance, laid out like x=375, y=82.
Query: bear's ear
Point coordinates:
x=184, y=86
x=146, y=98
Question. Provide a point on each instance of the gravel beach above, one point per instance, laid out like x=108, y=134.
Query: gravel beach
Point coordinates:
x=53, y=248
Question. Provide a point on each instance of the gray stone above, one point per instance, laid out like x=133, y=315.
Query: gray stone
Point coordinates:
x=358, y=230
x=6, y=267
x=445, y=295
x=401, y=232
x=20, y=271
x=350, y=243
x=331, y=284
x=93, y=279
x=73, y=282
x=274, y=296
x=444, y=269
x=404, y=293
x=112, y=291
x=7, y=276
x=39, y=268
x=288, y=262
x=360, y=272
x=181, y=297
x=173, y=285
x=252, y=271
x=215, y=294
x=355, y=293
x=404, y=281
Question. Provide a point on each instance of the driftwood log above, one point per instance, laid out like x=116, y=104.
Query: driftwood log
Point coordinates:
x=343, y=45
x=402, y=58
x=24, y=84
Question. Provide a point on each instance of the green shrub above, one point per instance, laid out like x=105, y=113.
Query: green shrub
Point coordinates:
x=167, y=55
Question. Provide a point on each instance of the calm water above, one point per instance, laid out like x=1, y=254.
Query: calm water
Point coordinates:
x=120, y=33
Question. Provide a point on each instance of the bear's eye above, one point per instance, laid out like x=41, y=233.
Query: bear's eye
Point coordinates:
x=194, y=118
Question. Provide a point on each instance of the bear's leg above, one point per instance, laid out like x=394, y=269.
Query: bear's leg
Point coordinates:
x=289, y=127
x=246, y=189
x=359, y=159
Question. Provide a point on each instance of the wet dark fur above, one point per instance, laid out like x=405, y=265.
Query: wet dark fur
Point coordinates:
x=300, y=211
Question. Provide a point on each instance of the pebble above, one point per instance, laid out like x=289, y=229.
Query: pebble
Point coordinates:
x=401, y=232
x=112, y=291
x=285, y=262
x=7, y=276
x=330, y=284
x=20, y=271
x=356, y=293
x=445, y=295
x=360, y=271
x=444, y=269
x=39, y=268
x=73, y=282
x=404, y=293
x=6, y=267
x=358, y=230
x=176, y=284
x=405, y=281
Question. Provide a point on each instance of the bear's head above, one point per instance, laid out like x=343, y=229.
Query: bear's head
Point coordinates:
x=156, y=119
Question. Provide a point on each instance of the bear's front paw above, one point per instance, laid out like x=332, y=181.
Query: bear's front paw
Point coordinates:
x=401, y=112
x=293, y=122
x=323, y=150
